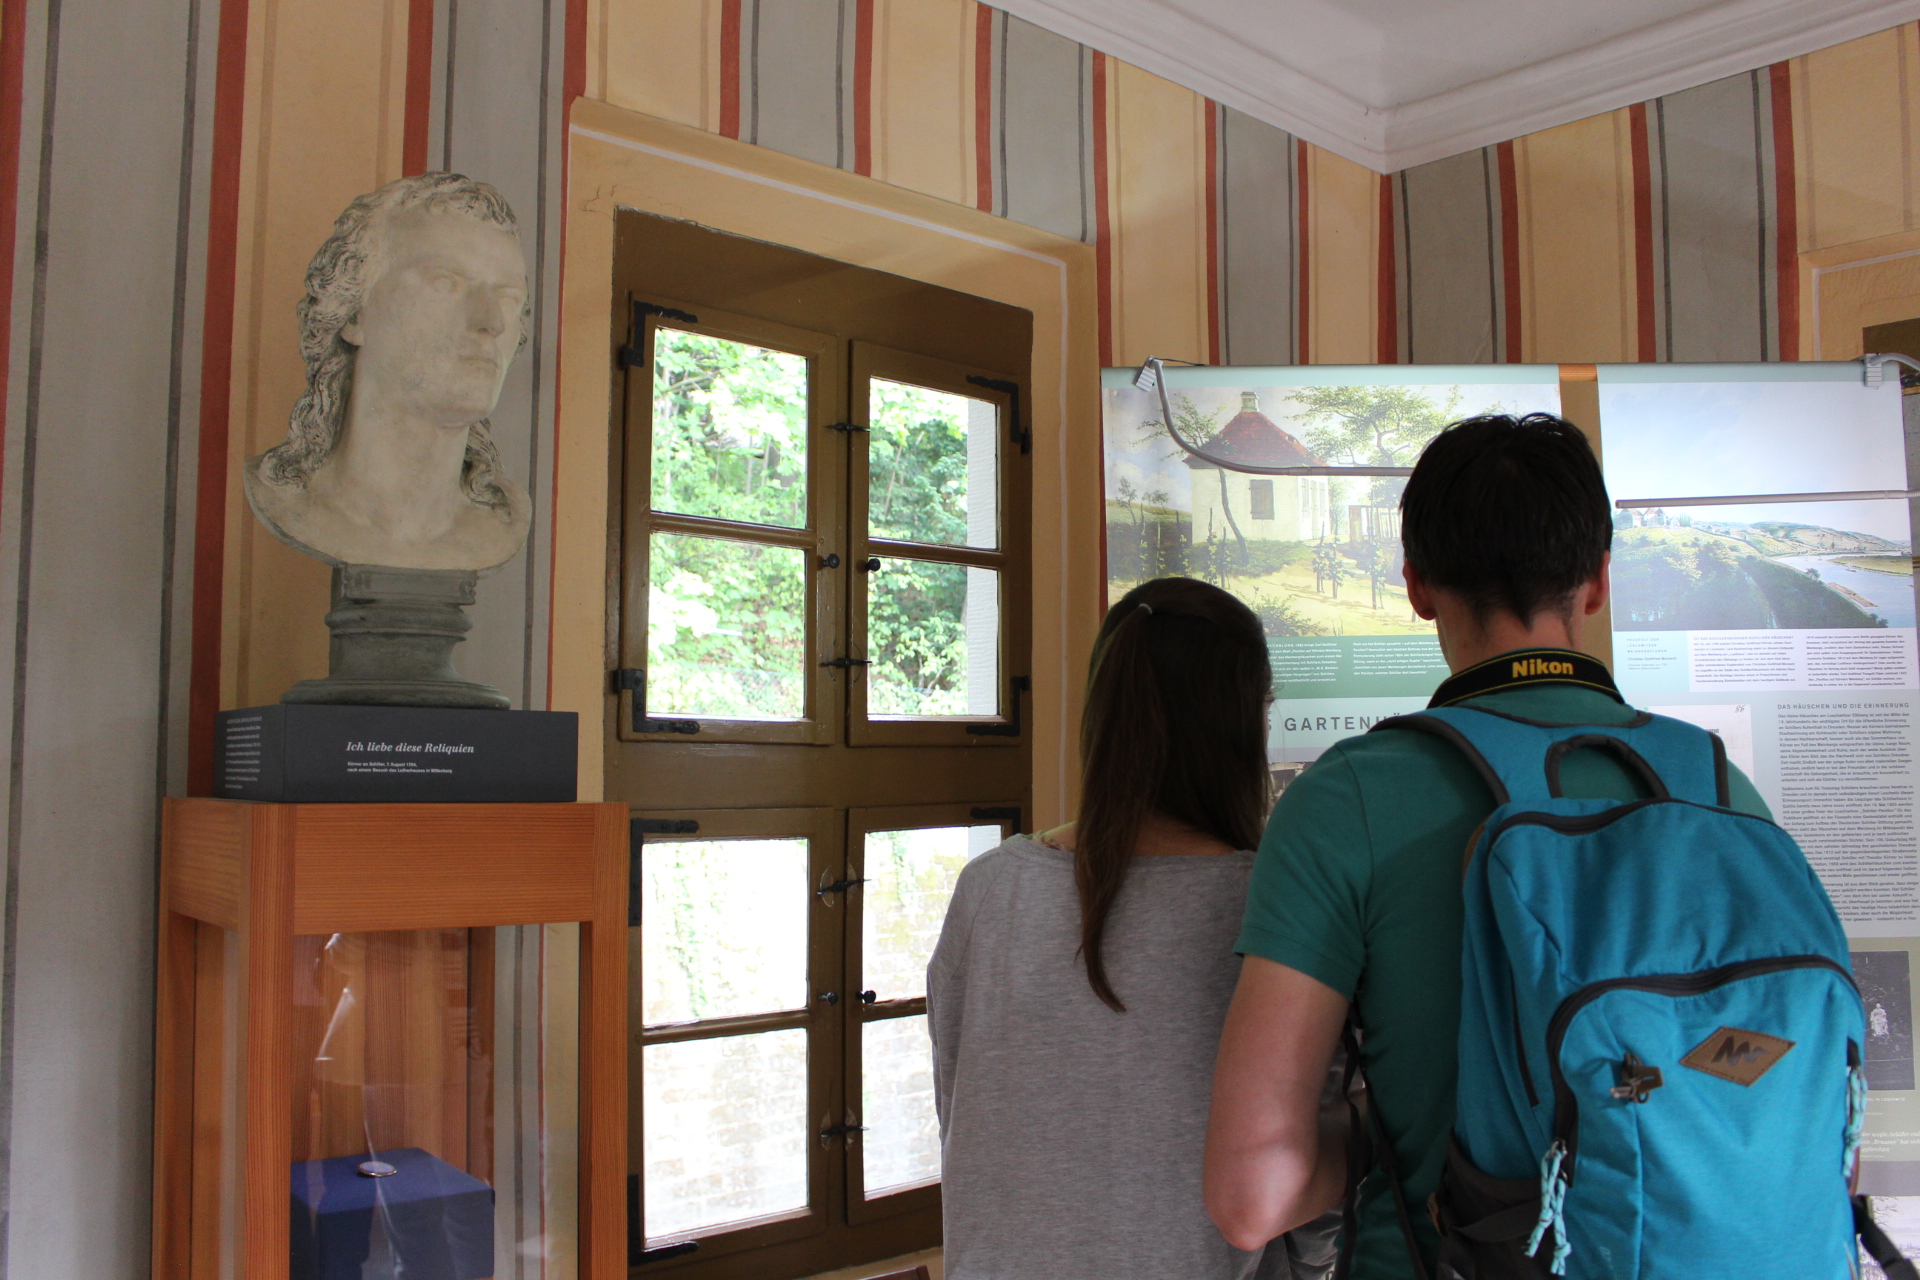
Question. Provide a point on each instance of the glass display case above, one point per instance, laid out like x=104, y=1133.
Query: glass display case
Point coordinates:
x=391, y=1042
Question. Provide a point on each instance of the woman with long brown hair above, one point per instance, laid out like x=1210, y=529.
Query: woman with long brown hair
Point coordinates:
x=1081, y=979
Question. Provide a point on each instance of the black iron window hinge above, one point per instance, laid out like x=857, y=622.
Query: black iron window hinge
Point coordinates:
x=634, y=353
x=637, y=831
x=634, y=680
x=1011, y=727
x=847, y=663
x=848, y=427
x=1015, y=433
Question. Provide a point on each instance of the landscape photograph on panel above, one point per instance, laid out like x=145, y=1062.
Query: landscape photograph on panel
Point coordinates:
x=1766, y=566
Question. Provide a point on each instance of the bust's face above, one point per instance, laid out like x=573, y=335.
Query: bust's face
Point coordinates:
x=441, y=323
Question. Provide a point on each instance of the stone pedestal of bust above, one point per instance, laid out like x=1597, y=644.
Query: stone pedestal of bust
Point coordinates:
x=414, y=309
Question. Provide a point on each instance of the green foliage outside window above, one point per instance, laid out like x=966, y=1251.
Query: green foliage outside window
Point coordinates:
x=726, y=625
x=729, y=430
x=917, y=465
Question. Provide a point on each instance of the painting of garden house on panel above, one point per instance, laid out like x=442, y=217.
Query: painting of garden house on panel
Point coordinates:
x=1314, y=556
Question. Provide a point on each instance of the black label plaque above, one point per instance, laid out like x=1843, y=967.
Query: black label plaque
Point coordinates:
x=316, y=753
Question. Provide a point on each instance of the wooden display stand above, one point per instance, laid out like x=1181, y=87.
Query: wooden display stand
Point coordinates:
x=358, y=884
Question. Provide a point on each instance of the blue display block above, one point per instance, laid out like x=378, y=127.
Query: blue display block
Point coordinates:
x=437, y=1221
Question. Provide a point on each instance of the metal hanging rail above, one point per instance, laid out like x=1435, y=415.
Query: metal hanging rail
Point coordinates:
x=1873, y=367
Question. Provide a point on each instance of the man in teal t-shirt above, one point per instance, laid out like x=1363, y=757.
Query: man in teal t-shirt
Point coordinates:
x=1356, y=892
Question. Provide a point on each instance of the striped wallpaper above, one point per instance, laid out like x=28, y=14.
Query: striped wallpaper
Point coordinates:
x=1668, y=230
x=172, y=164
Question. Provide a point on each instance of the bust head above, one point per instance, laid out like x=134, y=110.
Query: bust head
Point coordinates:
x=414, y=308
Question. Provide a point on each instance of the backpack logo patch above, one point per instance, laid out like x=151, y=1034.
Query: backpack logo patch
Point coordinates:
x=1737, y=1055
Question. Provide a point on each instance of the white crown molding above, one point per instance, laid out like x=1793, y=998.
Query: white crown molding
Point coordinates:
x=1640, y=65
x=1636, y=67
x=1221, y=66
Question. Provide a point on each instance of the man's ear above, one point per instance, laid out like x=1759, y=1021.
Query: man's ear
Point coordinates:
x=1419, y=594
x=350, y=332
x=1594, y=595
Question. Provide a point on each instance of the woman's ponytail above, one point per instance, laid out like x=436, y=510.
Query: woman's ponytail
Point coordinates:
x=1175, y=722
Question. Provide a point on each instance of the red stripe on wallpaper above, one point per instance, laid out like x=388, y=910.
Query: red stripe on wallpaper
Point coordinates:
x=863, y=88
x=1302, y=215
x=1646, y=343
x=573, y=75
x=1387, y=285
x=1786, y=226
x=1510, y=248
x=13, y=79
x=413, y=133
x=1102, y=210
x=216, y=391
x=1213, y=232
x=730, y=68
x=983, y=108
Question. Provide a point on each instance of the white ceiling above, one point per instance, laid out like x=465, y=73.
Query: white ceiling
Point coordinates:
x=1394, y=83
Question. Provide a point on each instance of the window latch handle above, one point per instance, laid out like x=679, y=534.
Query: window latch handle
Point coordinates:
x=839, y=886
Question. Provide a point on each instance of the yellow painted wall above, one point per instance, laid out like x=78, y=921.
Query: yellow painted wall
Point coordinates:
x=923, y=96
x=658, y=57
x=316, y=133
x=1343, y=254
x=1576, y=242
x=1156, y=165
x=1857, y=107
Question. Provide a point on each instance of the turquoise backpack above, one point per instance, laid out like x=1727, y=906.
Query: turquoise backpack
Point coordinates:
x=1660, y=1071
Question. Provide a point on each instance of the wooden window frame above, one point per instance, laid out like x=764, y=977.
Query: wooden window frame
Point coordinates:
x=860, y=822
x=822, y=1022
x=835, y=963
x=711, y=274
x=823, y=536
x=1011, y=559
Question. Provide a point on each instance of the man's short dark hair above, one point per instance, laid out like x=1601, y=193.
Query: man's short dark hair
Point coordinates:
x=1511, y=514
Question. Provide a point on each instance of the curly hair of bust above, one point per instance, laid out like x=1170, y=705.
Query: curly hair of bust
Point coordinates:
x=337, y=283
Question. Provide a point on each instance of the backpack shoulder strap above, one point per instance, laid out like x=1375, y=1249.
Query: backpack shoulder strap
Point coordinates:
x=1368, y=1147
x=1885, y=1254
x=1445, y=730
x=1521, y=759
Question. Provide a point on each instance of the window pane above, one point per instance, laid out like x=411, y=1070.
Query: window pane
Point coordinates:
x=726, y=629
x=726, y=1130
x=910, y=876
x=932, y=463
x=901, y=1146
x=933, y=641
x=723, y=928
x=729, y=430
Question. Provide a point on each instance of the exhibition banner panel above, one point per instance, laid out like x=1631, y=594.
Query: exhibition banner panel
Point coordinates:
x=1788, y=628
x=1783, y=621
x=1316, y=557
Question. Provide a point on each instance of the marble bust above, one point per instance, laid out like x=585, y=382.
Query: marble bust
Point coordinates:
x=414, y=308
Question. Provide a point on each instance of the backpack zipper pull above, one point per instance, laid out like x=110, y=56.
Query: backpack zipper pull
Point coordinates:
x=1637, y=1080
x=1553, y=1198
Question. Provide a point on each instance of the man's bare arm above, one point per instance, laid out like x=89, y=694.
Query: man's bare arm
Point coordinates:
x=1273, y=1162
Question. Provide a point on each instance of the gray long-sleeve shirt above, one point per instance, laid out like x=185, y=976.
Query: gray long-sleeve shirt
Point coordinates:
x=1071, y=1134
